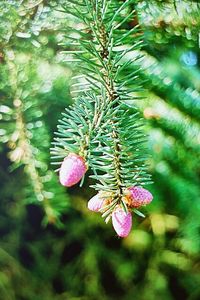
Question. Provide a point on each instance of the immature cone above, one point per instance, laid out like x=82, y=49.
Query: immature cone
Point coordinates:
x=72, y=169
x=122, y=222
x=139, y=196
x=95, y=203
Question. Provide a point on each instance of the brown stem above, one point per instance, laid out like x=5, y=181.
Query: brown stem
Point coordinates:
x=112, y=95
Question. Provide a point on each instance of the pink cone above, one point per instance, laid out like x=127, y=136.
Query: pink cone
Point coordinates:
x=72, y=170
x=139, y=196
x=122, y=222
x=95, y=203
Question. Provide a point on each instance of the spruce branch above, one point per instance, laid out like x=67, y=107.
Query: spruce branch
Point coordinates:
x=22, y=150
x=116, y=161
x=25, y=131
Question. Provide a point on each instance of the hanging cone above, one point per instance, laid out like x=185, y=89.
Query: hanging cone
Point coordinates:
x=95, y=203
x=72, y=170
x=139, y=196
x=122, y=222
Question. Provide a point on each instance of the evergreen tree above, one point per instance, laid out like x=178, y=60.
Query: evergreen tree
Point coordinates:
x=148, y=64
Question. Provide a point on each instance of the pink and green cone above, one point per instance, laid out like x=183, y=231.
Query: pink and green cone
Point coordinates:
x=72, y=170
x=95, y=203
x=122, y=222
x=139, y=196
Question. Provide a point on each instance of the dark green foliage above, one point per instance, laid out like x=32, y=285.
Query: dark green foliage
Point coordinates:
x=83, y=259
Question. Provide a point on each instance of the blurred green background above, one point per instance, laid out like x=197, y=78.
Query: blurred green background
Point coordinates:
x=51, y=246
